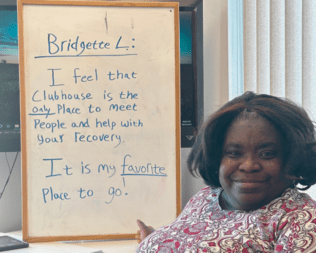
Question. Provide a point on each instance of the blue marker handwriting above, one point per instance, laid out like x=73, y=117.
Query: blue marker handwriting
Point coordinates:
x=132, y=123
x=39, y=96
x=49, y=194
x=114, y=138
x=77, y=47
x=53, y=78
x=141, y=170
x=85, y=78
x=52, y=126
x=41, y=111
x=82, y=124
x=113, y=192
x=119, y=75
x=63, y=109
x=122, y=108
x=45, y=139
x=105, y=123
x=85, y=193
x=110, y=169
x=57, y=168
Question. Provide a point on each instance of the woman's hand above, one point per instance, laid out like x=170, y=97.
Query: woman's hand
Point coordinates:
x=143, y=232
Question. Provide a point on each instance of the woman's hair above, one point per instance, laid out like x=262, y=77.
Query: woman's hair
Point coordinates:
x=291, y=121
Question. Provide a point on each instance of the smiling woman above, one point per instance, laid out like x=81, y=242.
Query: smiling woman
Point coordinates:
x=251, y=166
x=252, y=153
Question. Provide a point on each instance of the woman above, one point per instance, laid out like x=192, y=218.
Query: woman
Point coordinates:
x=252, y=153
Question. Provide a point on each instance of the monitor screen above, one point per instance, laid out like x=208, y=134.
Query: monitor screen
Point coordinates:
x=8, y=34
x=9, y=81
x=186, y=37
x=188, y=93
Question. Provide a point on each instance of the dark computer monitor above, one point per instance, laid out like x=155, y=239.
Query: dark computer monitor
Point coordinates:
x=187, y=70
x=9, y=81
x=188, y=76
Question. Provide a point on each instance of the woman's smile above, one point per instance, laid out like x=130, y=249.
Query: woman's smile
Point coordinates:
x=250, y=184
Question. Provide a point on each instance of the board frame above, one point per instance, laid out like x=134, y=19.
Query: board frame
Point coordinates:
x=24, y=149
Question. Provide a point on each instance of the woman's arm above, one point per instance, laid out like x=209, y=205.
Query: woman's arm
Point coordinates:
x=143, y=232
x=198, y=200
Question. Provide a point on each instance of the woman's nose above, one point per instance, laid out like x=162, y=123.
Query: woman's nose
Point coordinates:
x=250, y=164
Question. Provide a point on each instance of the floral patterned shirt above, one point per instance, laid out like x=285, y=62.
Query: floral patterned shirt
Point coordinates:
x=287, y=224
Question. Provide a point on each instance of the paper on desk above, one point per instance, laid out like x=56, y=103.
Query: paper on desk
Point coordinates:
x=57, y=247
x=51, y=247
x=113, y=246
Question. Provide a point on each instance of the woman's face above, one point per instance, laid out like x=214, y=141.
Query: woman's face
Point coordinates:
x=251, y=167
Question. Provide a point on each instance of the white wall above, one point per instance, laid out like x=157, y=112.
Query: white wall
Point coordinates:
x=10, y=203
x=215, y=48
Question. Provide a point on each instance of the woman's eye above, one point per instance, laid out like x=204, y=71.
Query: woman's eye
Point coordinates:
x=233, y=154
x=268, y=154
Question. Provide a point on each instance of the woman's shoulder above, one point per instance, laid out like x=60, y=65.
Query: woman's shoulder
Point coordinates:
x=295, y=229
x=292, y=200
x=295, y=198
x=206, y=194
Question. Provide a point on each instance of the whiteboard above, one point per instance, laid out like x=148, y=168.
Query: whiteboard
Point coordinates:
x=100, y=118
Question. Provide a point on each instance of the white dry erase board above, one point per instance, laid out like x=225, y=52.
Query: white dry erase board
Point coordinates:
x=100, y=117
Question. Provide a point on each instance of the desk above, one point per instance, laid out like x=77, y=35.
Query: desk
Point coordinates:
x=106, y=246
